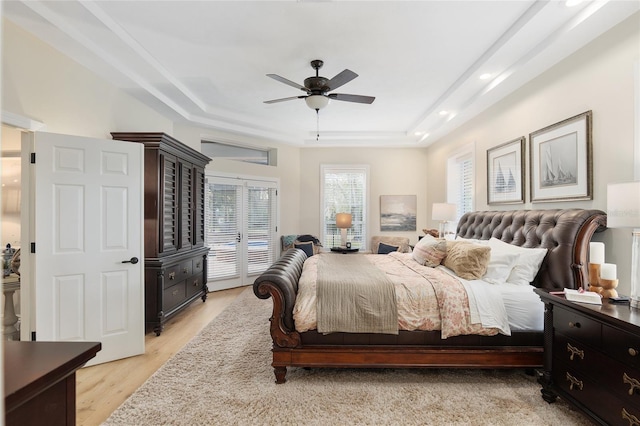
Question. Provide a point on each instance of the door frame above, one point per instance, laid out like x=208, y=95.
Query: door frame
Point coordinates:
x=241, y=178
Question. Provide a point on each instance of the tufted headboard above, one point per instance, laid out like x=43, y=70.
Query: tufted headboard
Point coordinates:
x=566, y=233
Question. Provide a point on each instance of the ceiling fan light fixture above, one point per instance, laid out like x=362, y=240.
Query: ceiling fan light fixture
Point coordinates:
x=316, y=101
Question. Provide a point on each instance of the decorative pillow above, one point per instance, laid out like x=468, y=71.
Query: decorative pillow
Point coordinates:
x=528, y=263
x=307, y=247
x=467, y=260
x=429, y=251
x=501, y=262
x=386, y=248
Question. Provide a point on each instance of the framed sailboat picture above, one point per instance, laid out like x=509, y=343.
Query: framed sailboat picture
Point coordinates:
x=505, y=173
x=561, y=161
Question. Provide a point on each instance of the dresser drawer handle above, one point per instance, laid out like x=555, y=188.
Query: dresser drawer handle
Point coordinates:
x=574, y=351
x=197, y=264
x=174, y=293
x=633, y=420
x=633, y=352
x=574, y=382
x=633, y=383
x=172, y=275
x=574, y=324
x=195, y=283
x=185, y=270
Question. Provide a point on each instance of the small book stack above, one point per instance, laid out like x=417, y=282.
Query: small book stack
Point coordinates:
x=582, y=296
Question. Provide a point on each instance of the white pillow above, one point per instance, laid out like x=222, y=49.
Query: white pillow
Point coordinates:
x=501, y=263
x=528, y=263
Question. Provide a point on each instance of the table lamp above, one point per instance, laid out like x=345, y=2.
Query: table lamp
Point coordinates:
x=343, y=222
x=623, y=211
x=444, y=212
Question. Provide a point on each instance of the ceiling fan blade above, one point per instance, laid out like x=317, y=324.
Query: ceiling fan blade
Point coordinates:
x=340, y=79
x=285, y=81
x=273, y=101
x=352, y=98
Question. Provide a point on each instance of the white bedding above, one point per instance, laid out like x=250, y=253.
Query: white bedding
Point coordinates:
x=500, y=307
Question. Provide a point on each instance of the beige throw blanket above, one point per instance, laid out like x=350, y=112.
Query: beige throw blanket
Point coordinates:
x=354, y=297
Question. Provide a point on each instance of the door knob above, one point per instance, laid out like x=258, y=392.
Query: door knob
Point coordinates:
x=133, y=260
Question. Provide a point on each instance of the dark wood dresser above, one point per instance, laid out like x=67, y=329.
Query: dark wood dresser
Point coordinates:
x=40, y=381
x=175, y=254
x=592, y=358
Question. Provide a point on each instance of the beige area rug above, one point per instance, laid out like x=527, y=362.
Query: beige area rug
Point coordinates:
x=223, y=376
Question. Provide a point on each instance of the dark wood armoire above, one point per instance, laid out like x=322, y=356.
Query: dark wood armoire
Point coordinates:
x=175, y=253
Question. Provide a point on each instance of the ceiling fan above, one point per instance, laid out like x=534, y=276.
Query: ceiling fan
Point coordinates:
x=317, y=88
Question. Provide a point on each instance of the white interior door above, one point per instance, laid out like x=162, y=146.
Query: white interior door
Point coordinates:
x=87, y=226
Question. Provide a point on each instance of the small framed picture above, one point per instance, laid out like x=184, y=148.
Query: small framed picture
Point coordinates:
x=505, y=173
x=561, y=165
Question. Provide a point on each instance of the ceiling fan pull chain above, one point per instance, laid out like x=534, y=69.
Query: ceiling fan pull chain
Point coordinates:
x=317, y=125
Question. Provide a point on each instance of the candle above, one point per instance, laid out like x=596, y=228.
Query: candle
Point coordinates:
x=608, y=271
x=596, y=253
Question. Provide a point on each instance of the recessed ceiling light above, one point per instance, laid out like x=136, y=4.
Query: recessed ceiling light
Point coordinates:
x=417, y=133
x=485, y=76
x=443, y=112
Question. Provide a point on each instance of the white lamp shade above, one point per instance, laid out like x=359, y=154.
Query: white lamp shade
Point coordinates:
x=316, y=101
x=343, y=220
x=623, y=205
x=443, y=211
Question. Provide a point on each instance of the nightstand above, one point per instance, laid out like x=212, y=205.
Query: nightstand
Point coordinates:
x=592, y=358
x=344, y=250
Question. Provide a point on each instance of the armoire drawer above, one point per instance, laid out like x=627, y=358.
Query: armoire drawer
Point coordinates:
x=198, y=265
x=193, y=285
x=173, y=295
x=185, y=269
x=171, y=276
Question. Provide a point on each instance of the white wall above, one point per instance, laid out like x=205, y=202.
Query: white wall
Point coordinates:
x=599, y=77
x=399, y=171
x=40, y=83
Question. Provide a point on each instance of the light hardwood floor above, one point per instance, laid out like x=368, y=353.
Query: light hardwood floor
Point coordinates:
x=102, y=388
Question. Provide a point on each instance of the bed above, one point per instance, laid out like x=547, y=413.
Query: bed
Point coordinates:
x=563, y=234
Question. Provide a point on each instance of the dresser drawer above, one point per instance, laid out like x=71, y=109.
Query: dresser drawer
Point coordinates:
x=577, y=355
x=622, y=346
x=623, y=381
x=577, y=327
x=172, y=296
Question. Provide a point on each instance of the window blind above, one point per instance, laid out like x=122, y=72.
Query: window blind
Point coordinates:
x=345, y=190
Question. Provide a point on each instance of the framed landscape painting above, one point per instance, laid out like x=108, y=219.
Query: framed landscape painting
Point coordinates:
x=398, y=212
x=561, y=161
x=505, y=173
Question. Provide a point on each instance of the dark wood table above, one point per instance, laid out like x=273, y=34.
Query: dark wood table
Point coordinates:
x=40, y=381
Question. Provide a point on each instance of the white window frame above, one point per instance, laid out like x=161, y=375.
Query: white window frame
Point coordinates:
x=453, y=177
x=364, y=168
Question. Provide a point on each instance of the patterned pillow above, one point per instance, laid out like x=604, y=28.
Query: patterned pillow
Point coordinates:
x=467, y=260
x=429, y=251
x=386, y=248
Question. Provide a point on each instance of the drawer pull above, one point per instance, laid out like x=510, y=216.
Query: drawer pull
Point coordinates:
x=633, y=352
x=185, y=270
x=574, y=351
x=172, y=275
x=174, y=293
x=574, y=382
x=633, y=383
x=633, y=420
x=195, y=283
x=574, y=324
x=198, y=264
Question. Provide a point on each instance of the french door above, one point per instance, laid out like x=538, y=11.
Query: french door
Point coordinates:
x=240, y=230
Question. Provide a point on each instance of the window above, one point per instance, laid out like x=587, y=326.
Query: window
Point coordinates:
x=344, y=189
x=239, y=153
x=460, y=172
